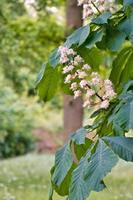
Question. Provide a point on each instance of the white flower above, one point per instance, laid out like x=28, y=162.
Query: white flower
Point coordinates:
x=64, y=59
x=78, y=59
x=86, y=67
x=86, y=103
x=68, y=69
x=77, y=93
x=65, y=70
x=90, y=92
x=74, y=86
x=110, y=93
x=95, y=80
x=87, y=11
x=81, y=74
x=63, y=50
x=107, y=82
x=75, y=63
x=104, y=104
x=71, y=52
x=68, y=78
x=83, y=83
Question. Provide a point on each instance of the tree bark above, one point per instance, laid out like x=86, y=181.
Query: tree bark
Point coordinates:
x=73, y=109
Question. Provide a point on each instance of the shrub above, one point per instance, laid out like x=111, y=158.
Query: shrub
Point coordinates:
x=16, y=125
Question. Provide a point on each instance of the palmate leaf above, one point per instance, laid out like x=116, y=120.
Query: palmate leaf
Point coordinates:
x=78, y=37
x=78, y=187
x=100, y=164
x=94, y=37
x=63, y=188
x=118, y=65
x=54, y=58
x=94, y=57
x=47, y=82
x=79, y=136
x=122, y=116
x=127, y=2
x=63, y=163
x=127, y=73
x=122, y=146
x=102, y=19
x=125, y=25
x=116, y=39
x=113, y=39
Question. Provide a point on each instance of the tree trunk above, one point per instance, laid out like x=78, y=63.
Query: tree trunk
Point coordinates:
x=73, y=109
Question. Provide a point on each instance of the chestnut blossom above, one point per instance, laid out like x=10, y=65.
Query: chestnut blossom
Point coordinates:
x=86, y=67
x=91, y=7
x=77, y=94
x=78, y=59
x=64, y=54
x=68, y=69
x=68, y=78
x=90, y=92
x=83, y=82
x=64, y=59
x=87, y=103
x=81, y=74
x=74, y=86
x=110, y=93
x=104, y=104
x=95, y=78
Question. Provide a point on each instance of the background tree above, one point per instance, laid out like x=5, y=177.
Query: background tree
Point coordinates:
x=73, y=109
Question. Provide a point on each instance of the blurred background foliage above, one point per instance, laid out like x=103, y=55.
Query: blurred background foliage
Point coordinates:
x=25, y=43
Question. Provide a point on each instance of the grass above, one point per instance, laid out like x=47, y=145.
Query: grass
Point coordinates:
x=27, y=178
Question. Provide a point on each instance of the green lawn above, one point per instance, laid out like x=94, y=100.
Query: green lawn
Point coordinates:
x=27, y=178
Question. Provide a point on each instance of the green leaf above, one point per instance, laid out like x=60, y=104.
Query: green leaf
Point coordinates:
x=78, y=187
x=112, y=40
x=78, y=37
x=48, y=82
x=54, y=58
x=94, y=57
x=122, y=115
x=127, y=2
x=80, y=150
x=122, y=146
x=63, y=189
x=125, y=25
x=127, y=73
x=115, y=39
x=84, y=34
x=119, y=64
x=100, y=164
x=40, y=74
x=102, y=19
x=94, y=37
x=123, y=118
x=79, y=136
x=63, y=163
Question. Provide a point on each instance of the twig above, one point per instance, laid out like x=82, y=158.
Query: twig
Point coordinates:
x=96, y=7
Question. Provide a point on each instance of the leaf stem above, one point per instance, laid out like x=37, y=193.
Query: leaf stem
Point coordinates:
x=96, y=7
x=96, y=94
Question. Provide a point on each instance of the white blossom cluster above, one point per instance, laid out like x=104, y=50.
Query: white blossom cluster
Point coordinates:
x=83, y=81
x=91, y=7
